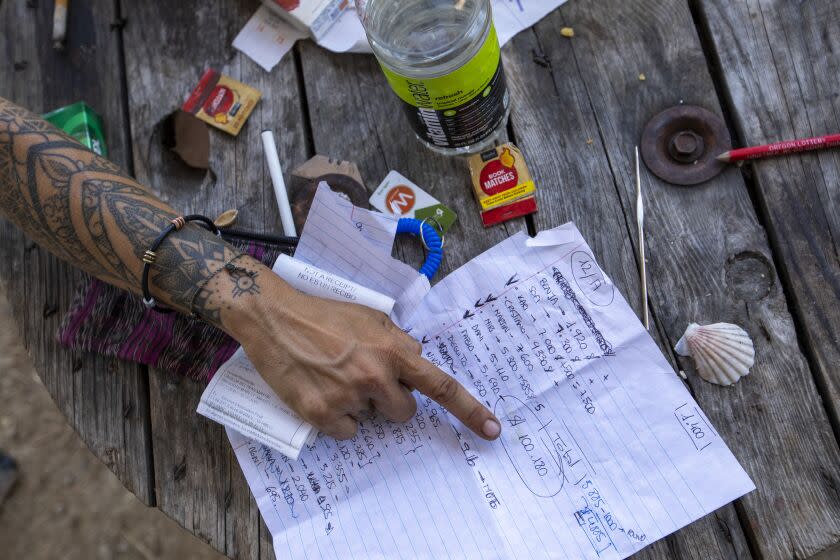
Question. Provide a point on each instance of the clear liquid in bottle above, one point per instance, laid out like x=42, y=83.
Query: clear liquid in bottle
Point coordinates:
x=442, y=59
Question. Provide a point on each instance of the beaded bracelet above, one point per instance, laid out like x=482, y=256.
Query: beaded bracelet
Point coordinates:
x=150, y=256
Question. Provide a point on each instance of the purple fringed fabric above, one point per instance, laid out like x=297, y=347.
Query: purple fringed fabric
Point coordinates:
x=110, y=321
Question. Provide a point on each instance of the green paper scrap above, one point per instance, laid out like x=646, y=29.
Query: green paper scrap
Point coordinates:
x=439, y=213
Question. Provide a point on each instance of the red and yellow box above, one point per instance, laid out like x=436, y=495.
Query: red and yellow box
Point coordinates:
x=222, y=101
x=502, y=184
x=507, y=212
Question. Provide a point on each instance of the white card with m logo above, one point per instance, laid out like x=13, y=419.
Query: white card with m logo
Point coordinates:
x=400, y=197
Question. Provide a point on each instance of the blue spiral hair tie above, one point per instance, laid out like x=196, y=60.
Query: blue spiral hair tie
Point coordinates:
x=431, y=240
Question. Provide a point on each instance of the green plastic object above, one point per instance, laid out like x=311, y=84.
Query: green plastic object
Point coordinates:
x=82, y=123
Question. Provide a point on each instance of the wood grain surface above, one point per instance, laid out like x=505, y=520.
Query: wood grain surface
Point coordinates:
x=579, y=108
x=778, y=63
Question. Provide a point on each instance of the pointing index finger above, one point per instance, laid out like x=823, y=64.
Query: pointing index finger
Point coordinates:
x=445, y=389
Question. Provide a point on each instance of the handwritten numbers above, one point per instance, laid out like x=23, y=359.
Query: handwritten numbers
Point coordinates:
x=695, y=426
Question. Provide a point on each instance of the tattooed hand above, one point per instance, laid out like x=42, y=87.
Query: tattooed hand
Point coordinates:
x=333, y=361
x=328, y=361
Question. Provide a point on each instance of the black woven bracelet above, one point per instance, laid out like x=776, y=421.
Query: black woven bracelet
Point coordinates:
x=150, y=256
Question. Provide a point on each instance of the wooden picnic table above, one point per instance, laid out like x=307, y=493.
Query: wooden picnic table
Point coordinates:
x=756, y=246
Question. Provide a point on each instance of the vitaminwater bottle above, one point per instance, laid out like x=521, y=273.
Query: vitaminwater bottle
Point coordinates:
x=442, y=58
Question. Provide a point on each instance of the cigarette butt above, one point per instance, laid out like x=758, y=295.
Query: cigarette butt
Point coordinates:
x=60, y=23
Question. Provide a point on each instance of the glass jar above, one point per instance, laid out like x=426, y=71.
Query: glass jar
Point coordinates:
x=442, y=59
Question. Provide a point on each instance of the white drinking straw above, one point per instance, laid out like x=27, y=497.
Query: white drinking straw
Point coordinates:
x=270, y=149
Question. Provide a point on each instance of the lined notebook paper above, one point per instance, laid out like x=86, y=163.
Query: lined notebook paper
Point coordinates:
x=603, y=450
x=356, y=244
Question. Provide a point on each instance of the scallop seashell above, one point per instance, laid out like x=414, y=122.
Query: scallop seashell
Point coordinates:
x=723, y=353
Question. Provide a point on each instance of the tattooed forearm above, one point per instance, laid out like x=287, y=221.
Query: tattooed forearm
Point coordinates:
x=87, y=211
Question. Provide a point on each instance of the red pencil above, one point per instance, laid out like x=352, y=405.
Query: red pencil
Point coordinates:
x=781, y=148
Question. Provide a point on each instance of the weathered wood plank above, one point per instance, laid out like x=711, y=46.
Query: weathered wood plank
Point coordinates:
x=192, y=463
x=553, y=121
x=199, y=483
x=266, y=543
x=355, y=116
x=243, y=520
x=779, y=62
x=106, y=401
x=708, y=258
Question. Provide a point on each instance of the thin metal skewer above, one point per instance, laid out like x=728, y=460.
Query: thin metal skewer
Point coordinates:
x=640, y=222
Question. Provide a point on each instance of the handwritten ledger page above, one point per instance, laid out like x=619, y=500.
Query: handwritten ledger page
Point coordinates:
x=603, y=450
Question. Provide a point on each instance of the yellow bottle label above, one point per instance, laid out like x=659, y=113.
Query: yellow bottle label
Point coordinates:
x=459, y=108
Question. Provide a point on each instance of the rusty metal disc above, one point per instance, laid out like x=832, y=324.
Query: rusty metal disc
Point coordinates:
x=680, y=145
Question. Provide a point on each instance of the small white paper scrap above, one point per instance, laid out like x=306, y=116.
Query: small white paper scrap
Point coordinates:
x=266, y=38
x=238, y=396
